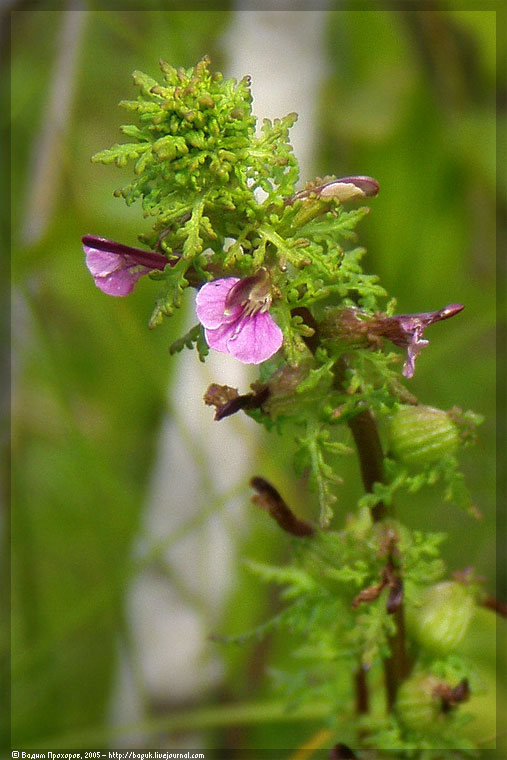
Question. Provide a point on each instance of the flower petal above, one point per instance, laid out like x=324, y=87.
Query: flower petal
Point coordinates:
x=218, y=339
x=257, y=340
x=101, y=264
x=210, y=304
x=250, y=340
x=413, y=352
x=115, y=274
x=121, y=282
x=115, y=267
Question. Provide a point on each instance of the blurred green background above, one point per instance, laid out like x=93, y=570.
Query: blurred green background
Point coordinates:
x=407, y=97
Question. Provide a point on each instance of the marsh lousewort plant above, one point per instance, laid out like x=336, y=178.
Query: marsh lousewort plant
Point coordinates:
x=278, y=278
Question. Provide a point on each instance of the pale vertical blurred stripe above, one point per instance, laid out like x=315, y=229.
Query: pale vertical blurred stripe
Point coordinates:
x=283, y=51
x=46, y=160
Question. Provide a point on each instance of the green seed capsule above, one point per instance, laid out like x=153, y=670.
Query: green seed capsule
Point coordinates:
x=420, y=435
x=440, y=617
x=417, y=704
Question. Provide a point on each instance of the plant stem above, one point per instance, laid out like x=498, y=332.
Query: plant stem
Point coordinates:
x=366, y=437
x=396, y=666
x=362, y=696
x=215, y=716
x=494, y=604
x=369, y=449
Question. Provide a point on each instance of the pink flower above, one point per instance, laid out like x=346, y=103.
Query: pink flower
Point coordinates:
x=355, y=328
x=115, y=267
x=234, y=314
x=406, y=330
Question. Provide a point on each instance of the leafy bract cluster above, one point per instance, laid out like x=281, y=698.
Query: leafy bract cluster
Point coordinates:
x=336, y=622
x=198, y=165
x=223, y=204
x=199, y=169
x=332, y=568
x=222, y=201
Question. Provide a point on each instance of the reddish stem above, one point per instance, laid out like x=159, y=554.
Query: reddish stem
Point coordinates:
x=494, y=604
x=367, y=440
x=369, y=449
x=362, y=696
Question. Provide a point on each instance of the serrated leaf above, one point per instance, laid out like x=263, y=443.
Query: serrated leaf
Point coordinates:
x=187, y=340
x=285, y=576
x=170, y=298
x=132, y=131
x=144, y=81
x=193, y=244
x=120, y=154
x=141, y=106
x=315, y=376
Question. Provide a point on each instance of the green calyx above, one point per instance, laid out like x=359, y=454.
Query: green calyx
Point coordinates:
x=439, y=616
x=418, y=704
x=420, y=435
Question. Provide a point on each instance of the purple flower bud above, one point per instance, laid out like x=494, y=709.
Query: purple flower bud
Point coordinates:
x=349, y=188
x=116, y=267
x=234, y=314
x=343, y=189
